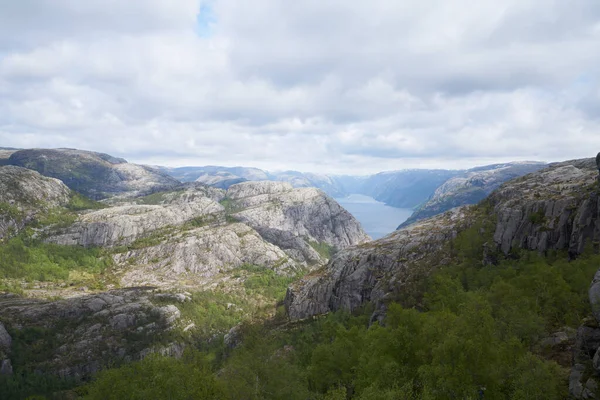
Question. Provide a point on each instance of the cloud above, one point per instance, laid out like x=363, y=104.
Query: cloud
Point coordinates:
x=338, y=86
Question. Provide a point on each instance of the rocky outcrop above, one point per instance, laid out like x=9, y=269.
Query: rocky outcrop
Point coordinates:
x=295, y=219
x=376, y=270
x=82, y=335
x=583, y=380
x=122, y=225
x=24, y=188
x=95, y=175
x=555, y=208
x=278, y=227
x=25, y=194
x=167, y=236
x=199, y=255
x=471, y=187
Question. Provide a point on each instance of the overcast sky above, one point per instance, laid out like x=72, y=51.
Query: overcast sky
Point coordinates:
x=316, y=85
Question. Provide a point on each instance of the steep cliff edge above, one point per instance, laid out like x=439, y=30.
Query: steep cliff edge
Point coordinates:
x=555, y=208
x=374, y=271
x=300, y=221
x=123, y=224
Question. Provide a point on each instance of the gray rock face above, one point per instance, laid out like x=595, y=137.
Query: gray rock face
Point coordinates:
x=556, y=208
x=372, y=271
x=93, y=331
x=95, y=175
x=200, y=254
x=122, y=225
x=24, y=194
x=293, y=218
x=471, y=187
x=6, y=367
x=187, y=233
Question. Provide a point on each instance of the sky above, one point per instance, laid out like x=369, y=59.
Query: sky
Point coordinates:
x=337, y=86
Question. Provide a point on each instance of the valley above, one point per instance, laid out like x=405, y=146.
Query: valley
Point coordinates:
x=266, y=290
x=299, y=200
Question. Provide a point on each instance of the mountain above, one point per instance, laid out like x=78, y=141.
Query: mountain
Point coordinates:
x=550, y=212
x=212, y=175
x=404, y=189
x=328, y=184
x=221, y=287
x=548, y=209
x=97, y=284
x=429, y=192
x=24, y=194
x=471, y=187
x=94, y=175
x=5, y=153
x=224, y=177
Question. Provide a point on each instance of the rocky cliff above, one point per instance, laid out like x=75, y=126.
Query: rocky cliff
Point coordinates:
x=375, y=271
x=555, y=208
x=123, y=224
x=95, y=175
x=74, y=338
x=296, y=220
x=188, y=232
x=24, y=194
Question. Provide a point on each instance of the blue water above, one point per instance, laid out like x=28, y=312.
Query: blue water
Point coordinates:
x=376, y=218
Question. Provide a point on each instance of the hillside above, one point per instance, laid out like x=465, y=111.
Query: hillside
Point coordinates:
x=552, y=212
x=133, y=275
x=192, y=282
x=94, y=175
x=429, y=192
x=470, y=187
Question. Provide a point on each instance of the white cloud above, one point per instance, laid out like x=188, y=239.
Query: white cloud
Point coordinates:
x=339, y=86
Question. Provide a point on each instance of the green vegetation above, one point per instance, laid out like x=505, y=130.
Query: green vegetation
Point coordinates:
x=325, y=250
x=30, y=385
x=28, y=259
x=55, y=219
x=469, y=328
x=156, y=198
x=229, y=205
x=538, y=217
x=79, y=202
x=153, y=239
x=11, y=212
x=477, y=326
x=199, y=222
x=266, y=282
x=213, y=312
x=159, y=378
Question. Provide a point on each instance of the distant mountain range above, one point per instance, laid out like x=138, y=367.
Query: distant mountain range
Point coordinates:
x=428, y=191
